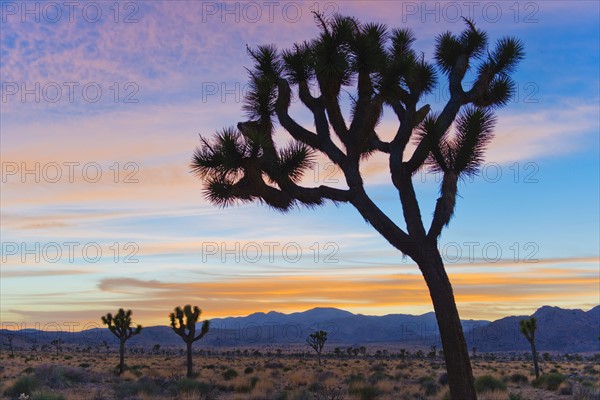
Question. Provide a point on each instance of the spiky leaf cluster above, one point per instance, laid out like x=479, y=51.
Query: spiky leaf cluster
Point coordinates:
x=120, y=324
x=528, y=328
x=183, y=322
x=317, y=340
x=235, y=161
x=463, y=153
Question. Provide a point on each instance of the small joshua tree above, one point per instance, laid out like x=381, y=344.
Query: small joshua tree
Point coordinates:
x=187, y=329
x=57, y=343
x=528, y=327
x=9, y=338
x=120, y=326
x=317, y=341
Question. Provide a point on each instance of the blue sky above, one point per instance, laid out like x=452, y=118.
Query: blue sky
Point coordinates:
x=163, y=79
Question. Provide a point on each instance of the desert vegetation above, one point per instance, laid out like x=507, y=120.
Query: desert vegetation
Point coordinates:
x=84, y=373
x=528, y=328
x=316, y=341
x=183, y=323
x=120, y=326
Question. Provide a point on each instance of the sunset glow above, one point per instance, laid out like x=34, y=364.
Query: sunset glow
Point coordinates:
x=100, y=209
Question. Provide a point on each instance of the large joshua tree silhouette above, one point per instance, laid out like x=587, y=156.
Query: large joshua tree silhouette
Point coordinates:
x=183, y=323
x=120, y=326
x=380, y=69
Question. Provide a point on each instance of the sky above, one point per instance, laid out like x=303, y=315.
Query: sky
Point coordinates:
x=102, y=104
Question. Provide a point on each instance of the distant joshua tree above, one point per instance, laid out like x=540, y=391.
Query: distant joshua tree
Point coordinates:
x=363, y=351
x=120, y=326
x=378, y=69
x=528, y=327
x=57, y=343
x=183, y=322
x=317, y=341
x=10, y=338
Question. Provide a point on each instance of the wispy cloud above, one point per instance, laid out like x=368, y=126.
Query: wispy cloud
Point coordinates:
x=480, y=294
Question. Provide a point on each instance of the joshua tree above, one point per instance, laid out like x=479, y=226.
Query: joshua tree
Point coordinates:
x=528, y=327
x=363, y=351
x=317, y=341
x=183, y=322
x=379, y=69
x=338, y=352
x=120, y=326
x=10, y=338
x=57, y=343
x=432, y=352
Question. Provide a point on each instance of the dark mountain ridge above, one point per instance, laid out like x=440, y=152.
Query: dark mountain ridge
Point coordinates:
x=559, y=330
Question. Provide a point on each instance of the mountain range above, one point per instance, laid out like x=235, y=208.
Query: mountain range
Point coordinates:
x=559, y=330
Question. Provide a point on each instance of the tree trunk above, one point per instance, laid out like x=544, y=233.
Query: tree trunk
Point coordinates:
x=121, y=356
x=536, y=367
x=189, y=359
x=456, y=353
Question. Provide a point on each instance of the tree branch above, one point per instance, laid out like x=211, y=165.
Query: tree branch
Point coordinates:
x=382, y=223
x=444, y=207
x=320, y=141
x=445, y=119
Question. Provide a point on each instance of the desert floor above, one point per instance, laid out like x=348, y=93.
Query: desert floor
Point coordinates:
x=81, y=376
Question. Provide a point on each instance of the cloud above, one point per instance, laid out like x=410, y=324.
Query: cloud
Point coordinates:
x=38, y=273
x=480, y=293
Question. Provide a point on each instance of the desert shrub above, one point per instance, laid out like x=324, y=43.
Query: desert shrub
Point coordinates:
x=230, y=374
x=381, y=367
x=60, y=377
x=378, y=376
x=46, y=396
x=298, y=395
x=591, y=370
x=330, y=393
x=149, y=386
x=274, y=365
x=127, y=389
x=518, y=378
x=188, y=385
x=488, y=383
x=585, y=392
x=549, y=381
x=324, y=375
x=443, y=379
x=248, y=370
x=515, y=396
x=25, y=384
x=84, y=365
x=428, y=385
x=566, y=391
x=365, y=392
x=353, y=378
